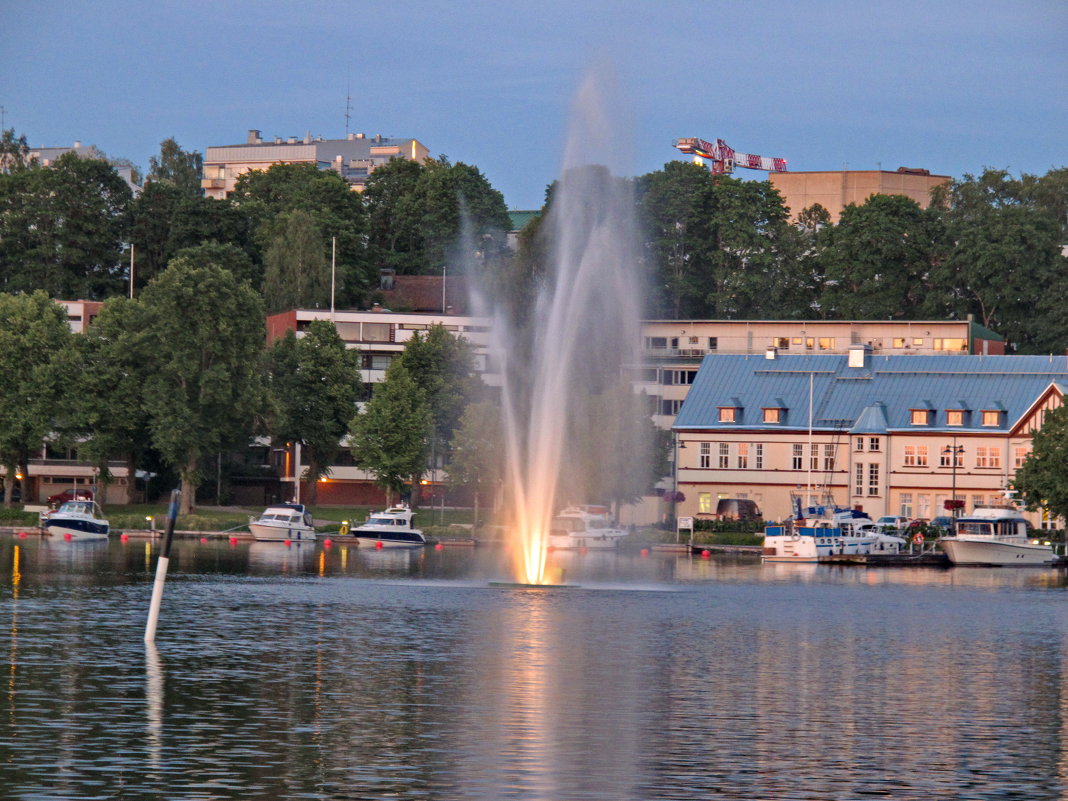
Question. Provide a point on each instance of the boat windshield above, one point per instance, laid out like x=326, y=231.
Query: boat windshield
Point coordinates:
x=77, y=507
x=568, y=524
x=381, y=520
x=975, y=527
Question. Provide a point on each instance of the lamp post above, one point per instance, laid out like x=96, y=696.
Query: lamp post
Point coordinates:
x=953, y=452
x=679, y=446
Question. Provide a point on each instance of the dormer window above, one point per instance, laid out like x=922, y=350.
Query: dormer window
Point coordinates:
x=728, y=414
x=991, y=417
x=920, y=417
x=954, y=417
x=773, y=415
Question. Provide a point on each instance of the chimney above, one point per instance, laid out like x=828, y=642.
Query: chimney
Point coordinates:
x=350, y=136
x=254, y=137
x=359, y=136
x=858, y=355
x=291, y=140
x=77, y=143
x=278, y=140
x=378, y=139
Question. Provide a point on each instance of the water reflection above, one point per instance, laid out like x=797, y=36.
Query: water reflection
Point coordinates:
x=329, y=674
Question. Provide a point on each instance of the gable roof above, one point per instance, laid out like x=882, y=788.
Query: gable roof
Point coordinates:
x=845, y=398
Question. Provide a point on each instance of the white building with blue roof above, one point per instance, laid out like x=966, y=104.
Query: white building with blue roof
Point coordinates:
x=889, y=434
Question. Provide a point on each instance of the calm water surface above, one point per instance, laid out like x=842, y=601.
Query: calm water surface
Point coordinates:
x=343, y=674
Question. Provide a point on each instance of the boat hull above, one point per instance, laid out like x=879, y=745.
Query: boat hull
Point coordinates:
x=993, y=553
x=590, y=542
x=77, y=529
x=381, y=540
x=264, y=532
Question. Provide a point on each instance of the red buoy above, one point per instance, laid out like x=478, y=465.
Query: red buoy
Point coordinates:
x=706, y=554
x=22, y=535
x=233, y=540
x=67, y=536
x=378, y=546
x=644, y=552
x=288, y=543
x=204, y=539
x=327, y=542
x=124, y=537
x=439, y=547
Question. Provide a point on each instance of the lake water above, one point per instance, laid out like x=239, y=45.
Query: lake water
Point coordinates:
x=343, y=674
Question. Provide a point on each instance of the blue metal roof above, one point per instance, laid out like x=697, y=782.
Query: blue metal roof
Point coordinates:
x=845, y=398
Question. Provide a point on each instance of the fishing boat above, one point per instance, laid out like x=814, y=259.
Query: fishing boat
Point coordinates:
x=813, y=540
x=77, y=520
x=590, y=527
x=283, y=522
x=996, y=536
x=391, y=528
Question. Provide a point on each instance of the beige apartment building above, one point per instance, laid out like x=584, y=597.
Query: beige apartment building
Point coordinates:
x=354, y=158
x=834, y=190
x=890, y=434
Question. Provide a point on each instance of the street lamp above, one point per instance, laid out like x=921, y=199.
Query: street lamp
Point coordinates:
x=953, y=452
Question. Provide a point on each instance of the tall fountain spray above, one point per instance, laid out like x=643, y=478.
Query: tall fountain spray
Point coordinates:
x=560, y=362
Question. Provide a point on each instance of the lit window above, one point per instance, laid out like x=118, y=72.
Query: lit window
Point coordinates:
x=773, y=415
x=920, y=417
x=1021, y=455
x=704, y=503
x=743, y=455
x=782, y=343
x=981, y=459
x=917, y=341
x=826, y=343
x=810, y=343
x=728, y=414
x=899, y=342
x=995, y=457
x=991, y=417
x=954, y=417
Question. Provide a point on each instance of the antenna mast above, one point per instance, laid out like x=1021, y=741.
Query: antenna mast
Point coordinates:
x=348, y=106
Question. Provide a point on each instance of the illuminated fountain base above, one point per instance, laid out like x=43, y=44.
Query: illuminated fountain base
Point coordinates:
x=515, y=585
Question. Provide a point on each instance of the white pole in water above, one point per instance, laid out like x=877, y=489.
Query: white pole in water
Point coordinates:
x=161, y=570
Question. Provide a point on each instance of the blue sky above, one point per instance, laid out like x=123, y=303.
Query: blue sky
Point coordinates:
x=953, y=86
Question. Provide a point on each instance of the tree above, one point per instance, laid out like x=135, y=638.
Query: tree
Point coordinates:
x=478, y=451
x=108, y=418
x=297, y=274
x=877, y=260
x=266, y=197
x=391, y=437
x=14, y=152
x=313, y=383
x=424, y=216
x=1042, y=481
x=36, y=360
x=206, y=335
x=61, y=228
x=177, y=168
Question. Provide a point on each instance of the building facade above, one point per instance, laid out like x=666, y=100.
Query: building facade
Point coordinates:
x=834, y=190
x=354, y=158
x=888, y=434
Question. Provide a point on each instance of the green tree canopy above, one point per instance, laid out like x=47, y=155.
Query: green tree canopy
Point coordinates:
x=62, y=227
x=313, y=383
x=206, y=334
x=1042, y=480
x=37, y=362
x=297, y=273
x=443, y=367
x=477, y=460
x=391, y=437
x=177, y=168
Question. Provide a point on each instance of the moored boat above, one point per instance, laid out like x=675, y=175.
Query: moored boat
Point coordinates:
x=391, y=528
x=814, y=540
x=281, y=522
x=995, y=536
x=589, y=527
x=77, y=520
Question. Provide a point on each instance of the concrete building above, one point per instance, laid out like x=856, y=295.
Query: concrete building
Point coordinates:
x=834, y=190
x=673, y=349
x=354, y=158
x=889, y=434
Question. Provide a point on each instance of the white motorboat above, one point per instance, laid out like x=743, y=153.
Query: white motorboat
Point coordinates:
x=590, y=527
x=997, y=536
x=76, y=520
x=814, y=540
x=282, y=522
x=390, y=529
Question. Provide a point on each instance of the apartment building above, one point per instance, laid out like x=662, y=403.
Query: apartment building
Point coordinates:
x=836, y=189
x=354, y=158
x=889, y=434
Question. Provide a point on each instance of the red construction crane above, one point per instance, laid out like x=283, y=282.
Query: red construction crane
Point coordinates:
x=723, y=158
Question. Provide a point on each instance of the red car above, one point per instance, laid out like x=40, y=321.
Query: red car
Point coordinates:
x=70, y=495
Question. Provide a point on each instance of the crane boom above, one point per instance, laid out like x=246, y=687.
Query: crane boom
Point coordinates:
x=724, y=158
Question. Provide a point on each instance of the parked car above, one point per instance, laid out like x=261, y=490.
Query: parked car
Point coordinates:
x=70, y=495
x=918, y=522
x=943, y=523
x=892, y=523
x=737, y=509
